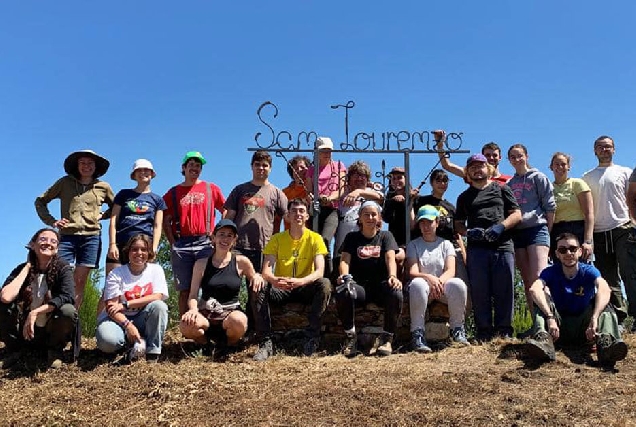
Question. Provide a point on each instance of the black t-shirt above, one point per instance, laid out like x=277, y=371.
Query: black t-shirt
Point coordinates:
x=394, y=214
x=446, y=228
x=487, y=207
x=222, y=284
x=367, y=255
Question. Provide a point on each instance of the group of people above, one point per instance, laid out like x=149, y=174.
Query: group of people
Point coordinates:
x=463, y=254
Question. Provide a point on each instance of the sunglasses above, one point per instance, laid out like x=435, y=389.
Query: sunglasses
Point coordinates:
x=565, y=249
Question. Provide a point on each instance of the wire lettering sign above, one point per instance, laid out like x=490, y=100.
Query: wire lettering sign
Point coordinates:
x=389, y=141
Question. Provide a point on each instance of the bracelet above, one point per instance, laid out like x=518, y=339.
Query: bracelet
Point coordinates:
x=589, y=242
x=392, y=275
x=125, y=324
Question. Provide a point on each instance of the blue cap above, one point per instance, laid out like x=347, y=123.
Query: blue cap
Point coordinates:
x=480, y=158
x=427, y=212
x=226, y=223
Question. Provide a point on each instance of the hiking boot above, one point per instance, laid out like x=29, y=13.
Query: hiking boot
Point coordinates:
x=311, y=345
x=418, y=342
x=385, y=348
x=540, y=347
x=10, y=359
x=152, y=357
x=350, y=348
x=610, y=350
x=459, y=336
x=525, y=334
x=265, y=350
x=54, y=358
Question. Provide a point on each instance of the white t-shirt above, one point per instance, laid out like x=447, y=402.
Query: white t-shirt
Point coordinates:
x=39, y=288
x=609, y=189
x=431, y=256
x=123, y=284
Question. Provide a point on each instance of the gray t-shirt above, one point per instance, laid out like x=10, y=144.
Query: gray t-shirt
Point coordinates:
x=431, y=256
x=255, y=206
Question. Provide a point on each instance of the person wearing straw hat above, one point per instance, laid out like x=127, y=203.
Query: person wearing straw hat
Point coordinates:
x=81, y=196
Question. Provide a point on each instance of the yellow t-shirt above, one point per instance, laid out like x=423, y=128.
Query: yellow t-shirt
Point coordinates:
x=295, y=258
x=566, y=197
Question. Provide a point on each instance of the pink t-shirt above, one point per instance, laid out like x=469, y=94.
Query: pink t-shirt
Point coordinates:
x=328, y=178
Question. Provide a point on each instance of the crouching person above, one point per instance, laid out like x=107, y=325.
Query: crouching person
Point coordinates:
x=571, y=306
x=431, y=265
x=135, y=317
x=368, y=273
x=299, y=258
x=37, y=303
x=217, y=315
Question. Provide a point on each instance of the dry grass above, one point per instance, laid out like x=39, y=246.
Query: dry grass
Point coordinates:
x=487, y=385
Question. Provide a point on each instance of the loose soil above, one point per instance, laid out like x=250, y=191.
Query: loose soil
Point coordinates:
x=485, y=385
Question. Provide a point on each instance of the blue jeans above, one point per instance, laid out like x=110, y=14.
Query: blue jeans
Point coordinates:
x=491, y=275
x=151, y=322
x=80, y=250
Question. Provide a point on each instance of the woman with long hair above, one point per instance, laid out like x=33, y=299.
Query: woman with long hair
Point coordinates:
x=533, y=191
x=574, y=206
x=135, y=316
x=36, y=302
x=216, y=314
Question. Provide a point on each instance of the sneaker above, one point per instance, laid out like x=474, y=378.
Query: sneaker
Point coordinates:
x=525, y=334
x=311, y=345
x=418, y=342
x=385, y=348
x=610, y=350
x=265, y=350
x=459, y=335
x=540, y=347
x=54, y=358
x=350, y=348
x=10, y=359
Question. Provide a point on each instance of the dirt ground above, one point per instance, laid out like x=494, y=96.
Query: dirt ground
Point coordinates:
x=486, y=385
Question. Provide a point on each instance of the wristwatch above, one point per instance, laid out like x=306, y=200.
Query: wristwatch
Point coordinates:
x=125, y=304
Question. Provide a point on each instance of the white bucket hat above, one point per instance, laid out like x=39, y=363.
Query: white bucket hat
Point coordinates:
x=142, y=164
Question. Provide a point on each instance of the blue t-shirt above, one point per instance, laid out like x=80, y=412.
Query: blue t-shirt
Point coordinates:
x=137, y=215
x=571, y=296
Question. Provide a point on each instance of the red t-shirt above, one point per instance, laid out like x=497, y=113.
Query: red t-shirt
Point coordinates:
x=501, y=179
x=193, y=206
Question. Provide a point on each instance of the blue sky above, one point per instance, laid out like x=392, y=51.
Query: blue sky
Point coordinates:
x=156, y=79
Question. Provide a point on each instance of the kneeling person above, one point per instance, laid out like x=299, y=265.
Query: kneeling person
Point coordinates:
x=431, y=265
x=135, y=315
x=217, y=315
x=571, y=305
x=299, y=258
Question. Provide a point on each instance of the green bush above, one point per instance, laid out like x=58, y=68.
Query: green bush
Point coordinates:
x=88, y=310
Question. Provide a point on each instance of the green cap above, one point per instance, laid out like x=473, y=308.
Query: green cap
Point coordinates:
x=193, y=155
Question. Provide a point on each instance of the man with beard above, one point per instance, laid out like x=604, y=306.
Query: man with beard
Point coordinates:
x=485, y=213
x=188, y=222
x=571, y=306
x=614, y=232
x=491, y=151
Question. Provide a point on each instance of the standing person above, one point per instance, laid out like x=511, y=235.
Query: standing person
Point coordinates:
x=446, y=223
x=36, y=303
x=331, y=182
x=571, y=300
x=368, y=261
x=216, y=315
x=135, y=211
x=531, y=237
x=430, y=261
x=293, y=270
x=135, y=312
x=614, y=232
x=81, y=196
x=188, y=222
x=356, y=192
x=485, y=213
x=490, y=150
x=574, y=207
x=253, y=206
x=297, y=188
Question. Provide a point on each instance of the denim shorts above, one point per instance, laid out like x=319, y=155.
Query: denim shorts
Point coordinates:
x=525, y=237
x=185, y=252
x=79, y=250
